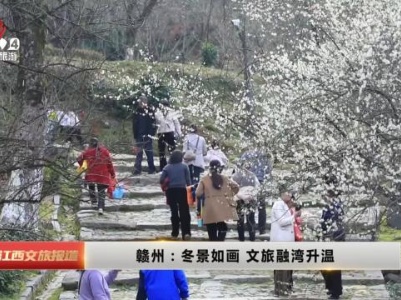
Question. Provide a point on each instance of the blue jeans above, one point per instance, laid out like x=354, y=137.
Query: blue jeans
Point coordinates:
x=145, y=144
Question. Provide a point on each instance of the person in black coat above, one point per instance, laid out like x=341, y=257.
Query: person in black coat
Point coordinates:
x=144, y=128
x=333, y=230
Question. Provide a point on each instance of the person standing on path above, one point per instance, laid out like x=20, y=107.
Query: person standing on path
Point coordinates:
x=162, y=285
x=333, y=230
x=195, y=144
x=282, y=230
x=246, y=201
x=169, y=130
x=218, y=191
x=71, y=125
x=99, y=173
x=175, y=176
x=144, y=128
x=93, y=285
x=215, y=153
x=261, y=166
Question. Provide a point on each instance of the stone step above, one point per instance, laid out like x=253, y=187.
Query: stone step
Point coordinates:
x=130, y=277
x=212, y=290
x=215, y=284
x=198, y=234
x=358, y=220
x=136, y=192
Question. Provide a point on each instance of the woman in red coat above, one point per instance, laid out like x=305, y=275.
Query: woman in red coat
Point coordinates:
x=100, y=169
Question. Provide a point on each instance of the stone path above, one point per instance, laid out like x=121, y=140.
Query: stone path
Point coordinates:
x=144, y=215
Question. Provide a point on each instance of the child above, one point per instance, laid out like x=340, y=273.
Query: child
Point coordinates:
x=162, y=285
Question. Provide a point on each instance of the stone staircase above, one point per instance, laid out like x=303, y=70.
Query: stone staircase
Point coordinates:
x=144, y=216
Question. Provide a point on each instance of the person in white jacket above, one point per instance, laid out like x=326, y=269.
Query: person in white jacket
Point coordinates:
x=246, y=202
x=168, y=131
x=282, y=230
x=71, y=126
x=196, y=143
x=215, y=153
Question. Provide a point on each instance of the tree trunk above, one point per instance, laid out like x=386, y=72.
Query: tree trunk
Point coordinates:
x=134, y=24
x=25, y=185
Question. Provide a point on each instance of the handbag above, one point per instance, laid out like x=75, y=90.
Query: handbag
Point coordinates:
x=190, y=196
x=111, y=188
x=298, y=232
x=297, y=229
x=118, y=193
x=83, y=168
x=190, y=154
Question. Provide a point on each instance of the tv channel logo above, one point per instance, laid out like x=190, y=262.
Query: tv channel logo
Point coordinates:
x=8, y=46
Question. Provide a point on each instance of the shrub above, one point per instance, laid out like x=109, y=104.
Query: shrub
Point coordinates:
x=209, y=54
x=84, y=54
x=11, y=282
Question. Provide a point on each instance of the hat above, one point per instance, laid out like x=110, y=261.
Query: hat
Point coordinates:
x=93, y=142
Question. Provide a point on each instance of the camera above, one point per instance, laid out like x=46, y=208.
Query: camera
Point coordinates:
x=298, y=207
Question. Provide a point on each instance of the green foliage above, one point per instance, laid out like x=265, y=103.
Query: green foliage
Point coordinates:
x=84, y=54
x=111, y=46
x=119, y=100
x=11, y=282
x=209, y=54
x=388, y=234
x=394, y=290
x=56, y=294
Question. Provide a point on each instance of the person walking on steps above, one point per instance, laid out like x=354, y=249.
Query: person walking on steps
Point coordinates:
x=162, y=285
x=333, y=230
x=93, y=285
x=194, y=148
x=72, y=127
x=100, y=171
x=218, y=191
x=169, y=130
x=215, y=153
x=175, y=177
x=246, y=201
x=144, y=128
x=261, y=166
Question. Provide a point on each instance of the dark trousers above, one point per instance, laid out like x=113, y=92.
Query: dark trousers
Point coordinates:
x=283, y=282
x=262, y=216
x=217, y=231
x=177, y=200
x=165, y=139
x=72, y=132
x=101, y=194
x=249, y=216
x=145, y=143
x=195, y=172
x=333, y=282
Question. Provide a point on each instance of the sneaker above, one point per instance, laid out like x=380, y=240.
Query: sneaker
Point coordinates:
x=186, y=237
x=152, y=172
x=100, y=211
x=136, y=173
